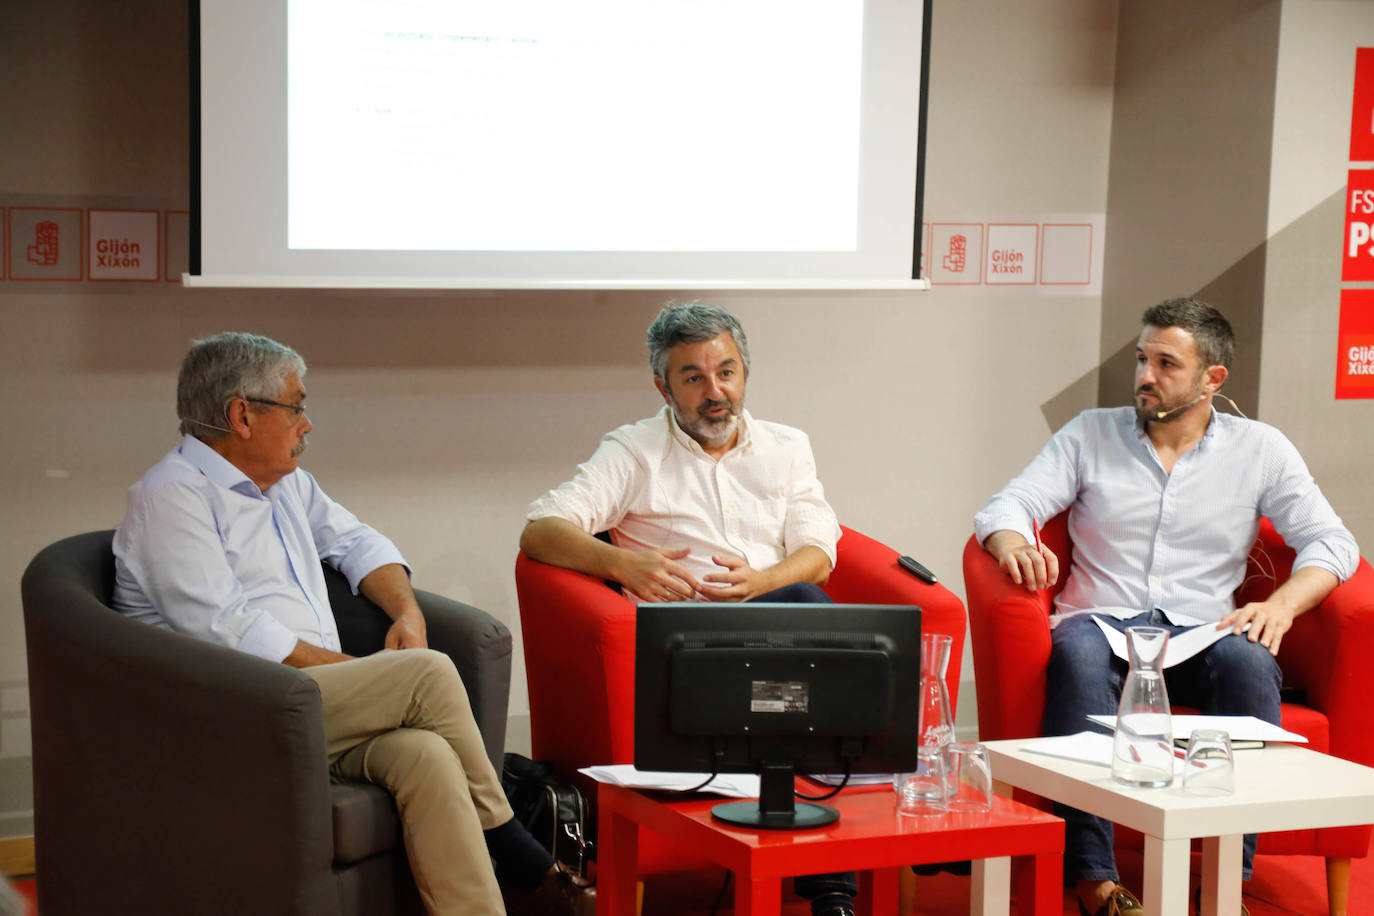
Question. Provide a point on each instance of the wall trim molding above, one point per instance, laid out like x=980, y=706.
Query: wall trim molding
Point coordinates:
x=16, y=856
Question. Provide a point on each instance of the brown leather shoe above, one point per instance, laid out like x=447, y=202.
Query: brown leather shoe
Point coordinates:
x=560, y=895
x=1121, y=902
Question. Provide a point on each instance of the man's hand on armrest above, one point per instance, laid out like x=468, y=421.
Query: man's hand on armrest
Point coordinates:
x=654, y=575
x=1028, y=567
x=306, y=655
x=388, y=587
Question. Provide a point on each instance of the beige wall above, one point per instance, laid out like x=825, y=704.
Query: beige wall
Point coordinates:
x=1316, y=63
x=439, y=416
x=1188, y=198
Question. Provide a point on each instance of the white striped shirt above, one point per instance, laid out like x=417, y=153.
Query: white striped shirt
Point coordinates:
x=1144, y=539
x=204, y=552
x=653, y=487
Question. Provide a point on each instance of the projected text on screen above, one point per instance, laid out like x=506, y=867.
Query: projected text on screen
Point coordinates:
x=542, y=125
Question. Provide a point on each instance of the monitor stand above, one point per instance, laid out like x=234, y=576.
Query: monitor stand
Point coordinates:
x=776, y=808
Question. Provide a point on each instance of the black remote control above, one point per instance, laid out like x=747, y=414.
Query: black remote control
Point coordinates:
x=917, y=570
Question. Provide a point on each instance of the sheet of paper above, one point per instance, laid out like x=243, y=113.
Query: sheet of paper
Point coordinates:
x=731, y=785
x=855, y=779
x=1182, y=646
x=1240, y=728
x=1089, y=747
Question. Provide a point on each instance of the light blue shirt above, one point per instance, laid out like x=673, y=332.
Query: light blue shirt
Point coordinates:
x=1144, y=539
x=204, y=552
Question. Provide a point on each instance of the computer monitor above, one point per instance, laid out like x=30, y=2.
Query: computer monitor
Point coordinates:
x=777, y=690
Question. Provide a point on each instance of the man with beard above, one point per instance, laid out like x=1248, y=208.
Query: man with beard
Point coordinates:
x=222, y=540
x=701, y=500
x=1164, y=505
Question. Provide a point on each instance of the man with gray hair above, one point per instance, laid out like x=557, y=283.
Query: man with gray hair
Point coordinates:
x=701, y=500
x=222, y=540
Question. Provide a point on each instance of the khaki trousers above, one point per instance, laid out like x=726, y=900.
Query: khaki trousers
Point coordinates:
x=402, y=720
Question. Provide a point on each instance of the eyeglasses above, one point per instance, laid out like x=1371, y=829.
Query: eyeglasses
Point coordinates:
x=296, y=409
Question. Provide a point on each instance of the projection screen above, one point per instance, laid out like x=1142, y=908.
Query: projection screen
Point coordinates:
x=545, y=144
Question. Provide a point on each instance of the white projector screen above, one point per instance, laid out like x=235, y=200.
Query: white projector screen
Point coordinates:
x=545, y=144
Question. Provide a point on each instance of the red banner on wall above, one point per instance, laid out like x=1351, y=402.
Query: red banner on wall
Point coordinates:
x=1355, y=338
x=1355, y=351
x=1357, y=262
x=1362, y=115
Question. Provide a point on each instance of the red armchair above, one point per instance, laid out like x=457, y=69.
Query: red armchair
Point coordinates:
x=1324, y=657
x=579, y=660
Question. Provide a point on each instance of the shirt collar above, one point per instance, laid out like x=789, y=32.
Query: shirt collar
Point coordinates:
x=1207, y=434
x=216, y=467
x=1210, y=433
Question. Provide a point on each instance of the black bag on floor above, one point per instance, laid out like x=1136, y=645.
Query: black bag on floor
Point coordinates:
x=553, y=811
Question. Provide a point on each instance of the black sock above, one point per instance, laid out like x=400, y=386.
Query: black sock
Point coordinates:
x=521, y=863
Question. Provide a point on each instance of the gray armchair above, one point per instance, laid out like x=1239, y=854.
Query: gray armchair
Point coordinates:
x=172, y=775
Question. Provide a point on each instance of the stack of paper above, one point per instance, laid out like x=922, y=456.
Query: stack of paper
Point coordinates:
x=1089, y=747
x=731, y=785
x=1096, y=747
x=1240, y=728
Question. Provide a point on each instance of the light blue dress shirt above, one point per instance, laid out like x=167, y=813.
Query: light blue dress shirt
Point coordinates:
x=1144, y=539
x=204, y=552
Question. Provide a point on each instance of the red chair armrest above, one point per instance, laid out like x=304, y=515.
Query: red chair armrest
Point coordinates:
x=866, y=572
x=579, y=663
x=1327, y=653
x=1011, y=648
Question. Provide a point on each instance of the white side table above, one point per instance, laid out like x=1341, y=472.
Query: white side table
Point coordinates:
x=1279, y=787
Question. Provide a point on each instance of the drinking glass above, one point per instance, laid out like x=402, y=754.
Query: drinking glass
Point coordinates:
x=923, y=793
x=971, y=774
x=1209, y=767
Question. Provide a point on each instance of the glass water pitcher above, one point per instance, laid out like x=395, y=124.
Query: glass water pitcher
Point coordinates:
x=1143, y=746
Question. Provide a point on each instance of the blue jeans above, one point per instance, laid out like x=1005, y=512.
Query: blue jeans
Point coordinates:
x=796, y=593
x=812, y=887
x=1234, y=677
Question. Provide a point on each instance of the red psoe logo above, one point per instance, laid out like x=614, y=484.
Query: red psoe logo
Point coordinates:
x=958, y=254
x=45, y=247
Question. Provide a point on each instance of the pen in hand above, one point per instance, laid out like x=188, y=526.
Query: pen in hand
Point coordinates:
x=1035, y=529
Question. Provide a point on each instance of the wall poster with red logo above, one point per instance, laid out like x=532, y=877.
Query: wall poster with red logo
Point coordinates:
x=1355, y=346
x=1355, y=337
x=1357, y=264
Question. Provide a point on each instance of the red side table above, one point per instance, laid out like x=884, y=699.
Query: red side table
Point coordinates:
x=870, y=838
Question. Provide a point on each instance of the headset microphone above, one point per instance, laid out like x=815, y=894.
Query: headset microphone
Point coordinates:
x=1165, y=414
x=207, y=425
